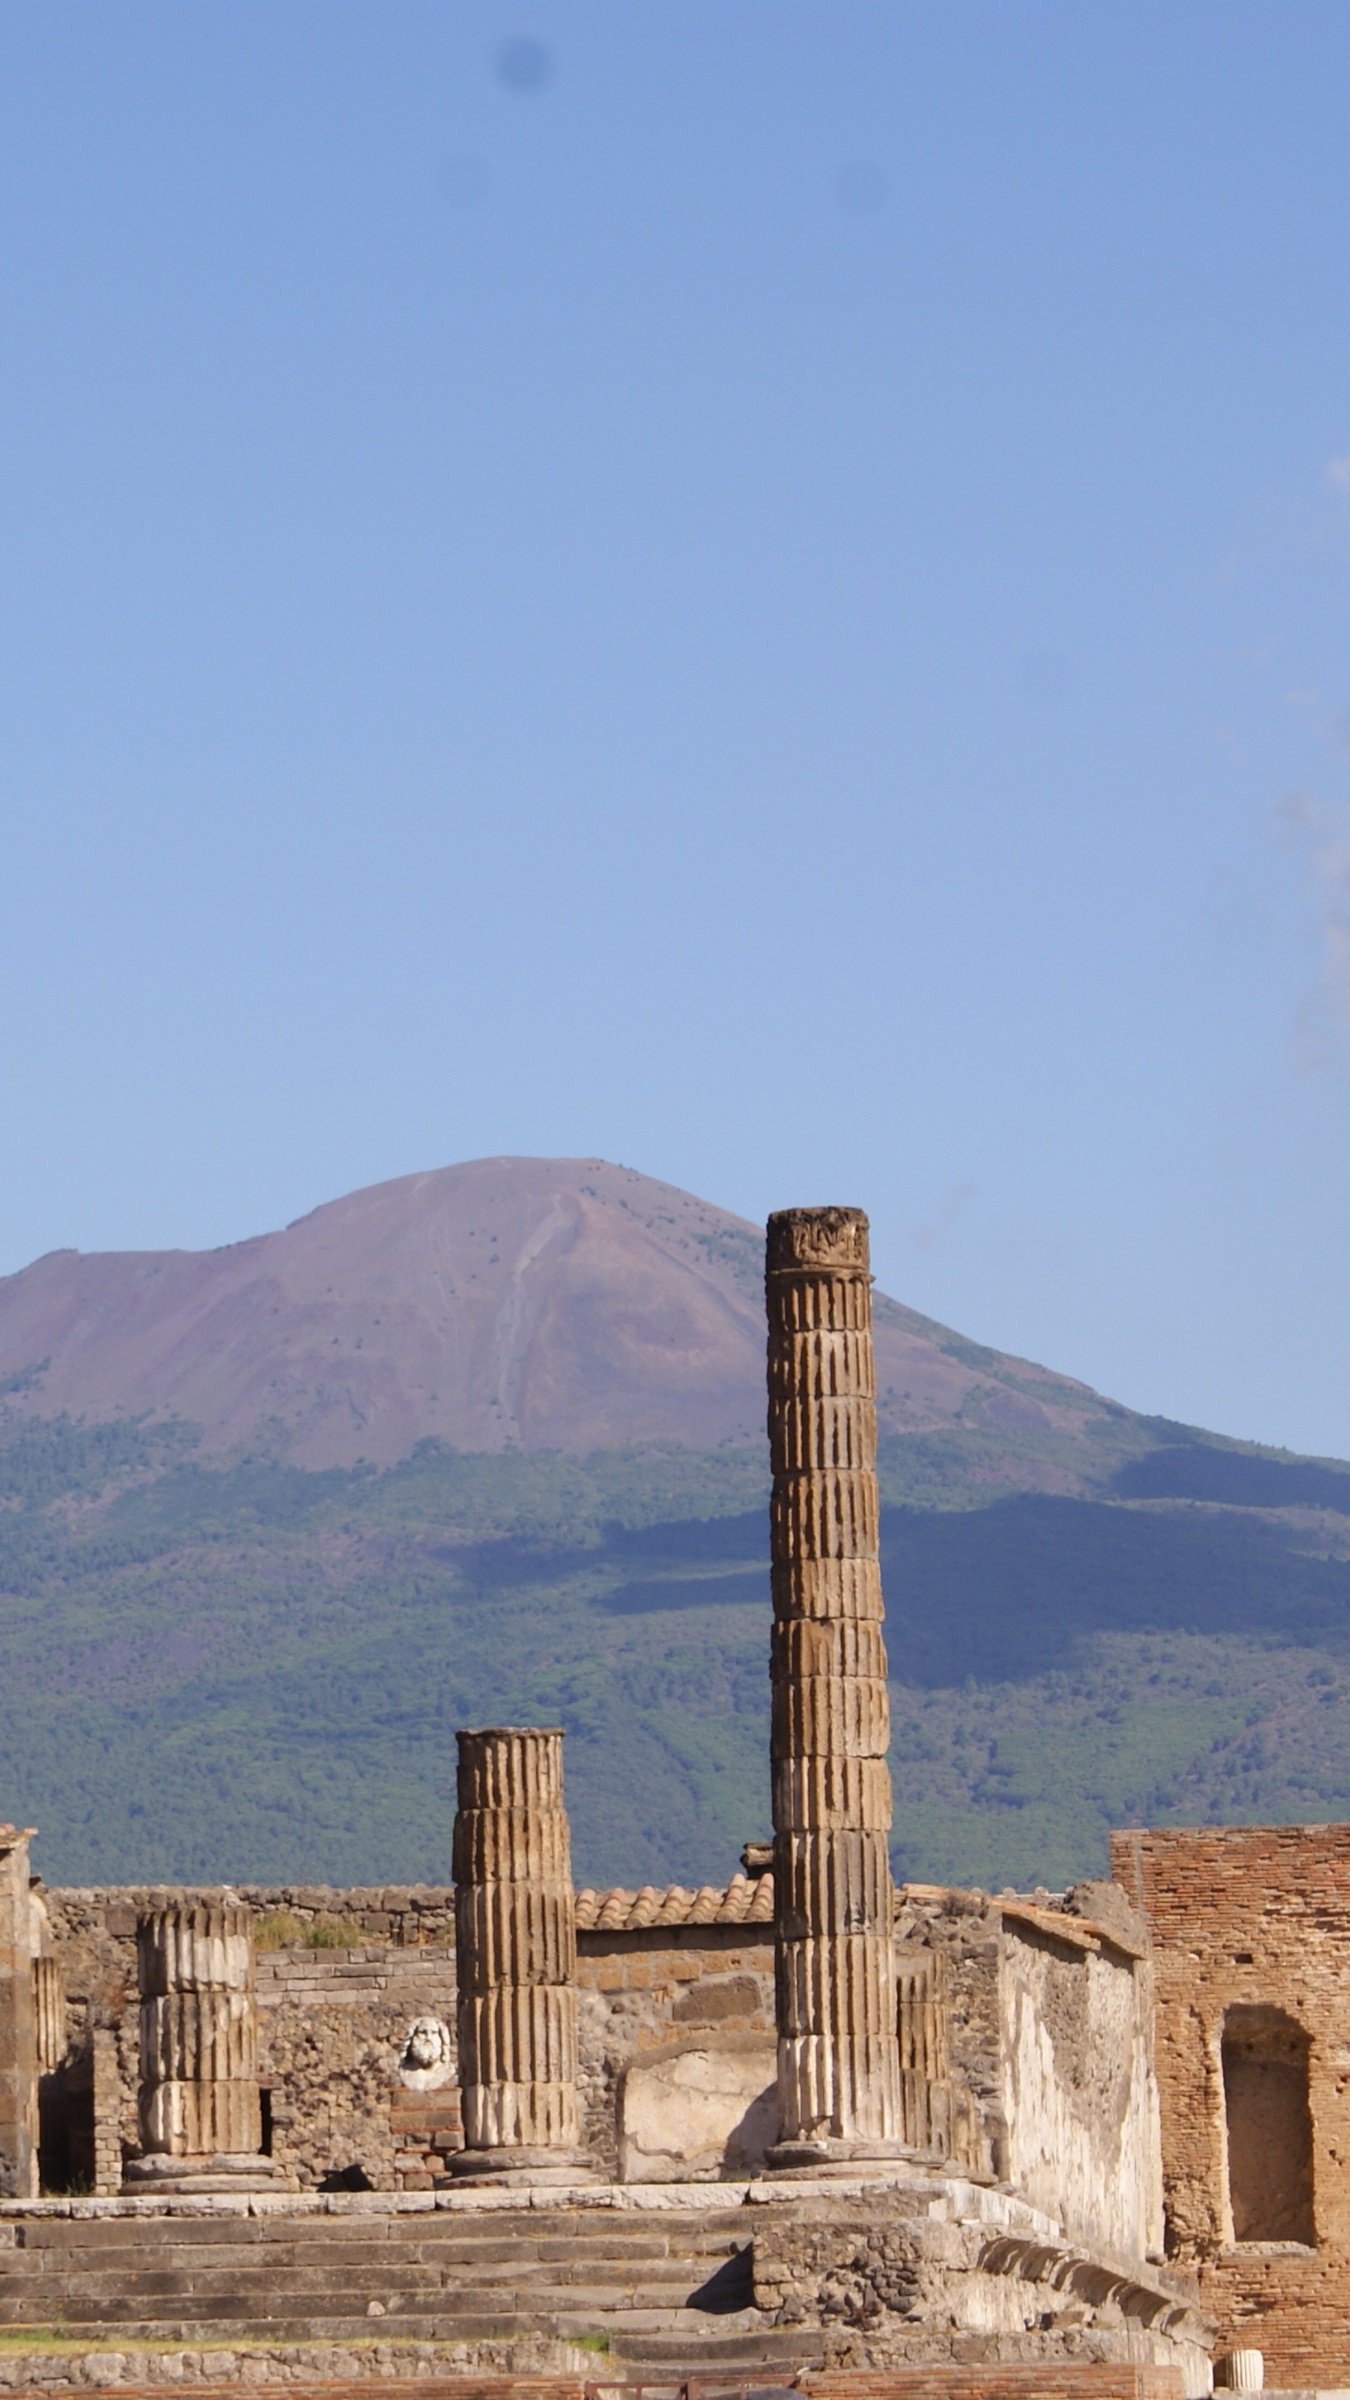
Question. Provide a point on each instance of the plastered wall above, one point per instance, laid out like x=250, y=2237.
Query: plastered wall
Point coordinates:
x=1048, y=2034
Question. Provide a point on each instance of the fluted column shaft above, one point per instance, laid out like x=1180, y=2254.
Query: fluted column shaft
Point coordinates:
x=838, y=2055
x=199, y=2032
x=515, y=1936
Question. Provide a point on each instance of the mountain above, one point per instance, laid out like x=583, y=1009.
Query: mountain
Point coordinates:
x=545, y=1304
x=488, y=1444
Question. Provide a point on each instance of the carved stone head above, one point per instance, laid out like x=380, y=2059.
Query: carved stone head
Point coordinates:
x=425, y=2063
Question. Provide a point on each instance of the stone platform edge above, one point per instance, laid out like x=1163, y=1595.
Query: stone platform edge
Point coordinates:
x=973, y=2202
x=511, y=2369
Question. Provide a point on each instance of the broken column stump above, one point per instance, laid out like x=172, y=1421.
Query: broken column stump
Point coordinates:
x=200, y=2110
x=515, y=1938
x=839, y=2096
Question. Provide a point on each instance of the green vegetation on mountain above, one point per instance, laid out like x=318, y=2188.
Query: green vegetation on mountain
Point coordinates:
x=258, y=1671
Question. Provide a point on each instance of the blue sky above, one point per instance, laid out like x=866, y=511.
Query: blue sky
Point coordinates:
x=758, y=590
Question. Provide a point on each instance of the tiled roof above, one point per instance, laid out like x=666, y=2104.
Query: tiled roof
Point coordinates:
x=746, y=1900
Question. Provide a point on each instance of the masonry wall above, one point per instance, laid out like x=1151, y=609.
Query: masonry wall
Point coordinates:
x=1079, y=2092
x=1046, y=2052
x=334, y=2023
x=1025, y=2033
x=696, y=1998
x=1251, y=1929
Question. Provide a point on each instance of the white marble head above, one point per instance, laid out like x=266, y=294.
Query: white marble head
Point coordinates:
x=425, y=2063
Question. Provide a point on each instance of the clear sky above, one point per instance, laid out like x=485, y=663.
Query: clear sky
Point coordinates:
x=755, y=589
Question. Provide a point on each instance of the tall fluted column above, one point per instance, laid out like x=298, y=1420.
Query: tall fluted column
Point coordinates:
x=838, y=2053
x=516, y=1945
x=200, y=2112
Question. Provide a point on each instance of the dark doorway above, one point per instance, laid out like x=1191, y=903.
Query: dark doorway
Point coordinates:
x=66, y=2129
x=1265, y=2091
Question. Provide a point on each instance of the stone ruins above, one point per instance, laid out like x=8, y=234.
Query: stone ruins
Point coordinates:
x=806, y=2121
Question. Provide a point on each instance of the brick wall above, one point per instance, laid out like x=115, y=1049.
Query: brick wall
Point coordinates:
x=1251, y=1925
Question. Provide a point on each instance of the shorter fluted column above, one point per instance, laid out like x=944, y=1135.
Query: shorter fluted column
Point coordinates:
x=516, y=1946
x=200, y=2111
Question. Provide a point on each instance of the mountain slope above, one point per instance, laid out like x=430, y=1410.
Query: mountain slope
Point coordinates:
x=546, y=1303
x=258, y=1671
x=241, y=1647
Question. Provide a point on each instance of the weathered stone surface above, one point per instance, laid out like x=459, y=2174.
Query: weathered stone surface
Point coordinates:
x=200, y=2037
x=201, y=1949
x=830, y=1588
x=830, y=1883
x=699, y=2109
x=900, y=2288
x=311, y=2366
x=838, y=2055
x=333, y=2037
x=849, y=1793
x=199, y=2097
x=49, y=2006
x=515, y=1918
x=18, y=2028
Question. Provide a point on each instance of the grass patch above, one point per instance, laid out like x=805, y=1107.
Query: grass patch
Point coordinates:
x=281, y=1931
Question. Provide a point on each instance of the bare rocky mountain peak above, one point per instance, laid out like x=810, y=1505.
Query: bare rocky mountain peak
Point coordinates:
x=508, y=1302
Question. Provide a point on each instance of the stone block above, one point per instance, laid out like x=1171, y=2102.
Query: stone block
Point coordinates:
x=699, y=2110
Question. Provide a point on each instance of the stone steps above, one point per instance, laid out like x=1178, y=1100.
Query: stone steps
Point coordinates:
x=765, y=2346
x=585, y=2305
x=340, y=2255
x=686, y=2326
x=665, y=2287
x=372, y=2278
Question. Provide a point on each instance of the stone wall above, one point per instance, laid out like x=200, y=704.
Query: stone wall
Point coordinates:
x=1251, y=1927
x=334, y=2021
x=1025, y=2029
x=1043, y=2026
x=904, y=2287
x=333, y=2026
x=332, y=2029
x=1081, y=2099
x=661, y=2010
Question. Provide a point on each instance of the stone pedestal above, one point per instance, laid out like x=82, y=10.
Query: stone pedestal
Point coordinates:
x=515, y=1937
x=839, y=2092
x=200, y=2112
x=18, y=2029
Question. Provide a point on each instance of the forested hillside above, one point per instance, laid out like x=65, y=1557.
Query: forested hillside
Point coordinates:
x=258, y=1670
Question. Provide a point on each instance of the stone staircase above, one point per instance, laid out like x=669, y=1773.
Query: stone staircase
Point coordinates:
x=669, y=2288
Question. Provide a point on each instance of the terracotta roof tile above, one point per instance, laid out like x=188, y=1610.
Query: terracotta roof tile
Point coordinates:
x=745, y=1900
